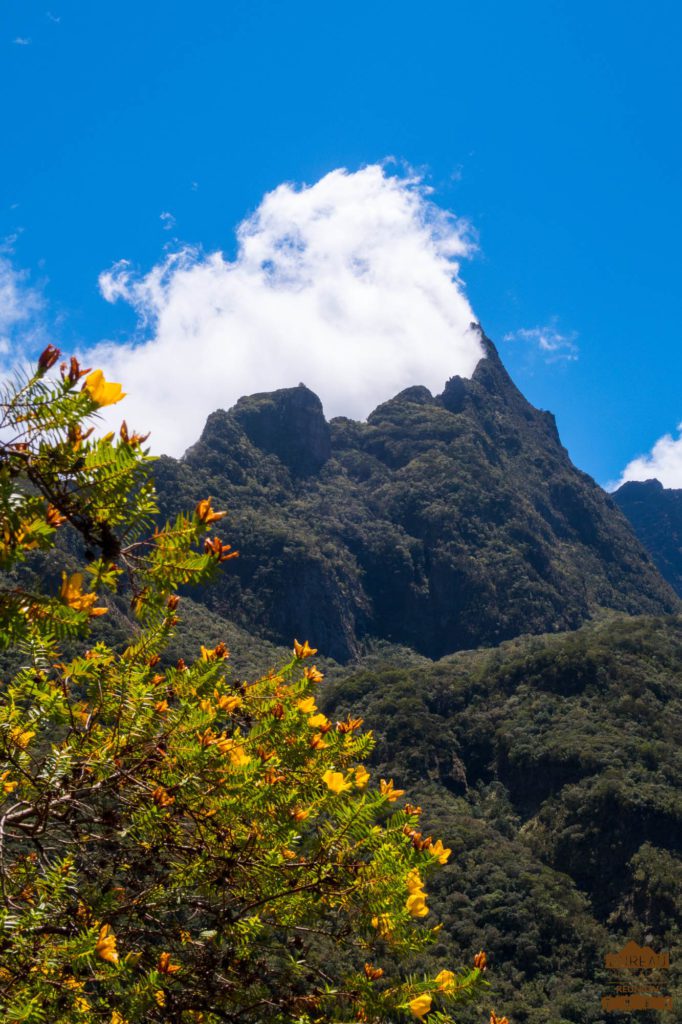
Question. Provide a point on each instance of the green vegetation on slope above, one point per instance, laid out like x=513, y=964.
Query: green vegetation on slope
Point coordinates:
x=441, y=523
x=656, y=516
x=551, y=766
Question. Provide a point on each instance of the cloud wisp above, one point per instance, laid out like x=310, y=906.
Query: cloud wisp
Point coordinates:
x=350, y=285
x=663, y=462
x=21, y=305
x=551, y=344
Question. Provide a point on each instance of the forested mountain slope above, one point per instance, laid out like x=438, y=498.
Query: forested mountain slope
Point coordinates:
x=441, y=523
x=551, y=767
x=656, y=516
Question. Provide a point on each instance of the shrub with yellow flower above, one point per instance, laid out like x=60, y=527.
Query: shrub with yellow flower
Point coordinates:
x=178, y=847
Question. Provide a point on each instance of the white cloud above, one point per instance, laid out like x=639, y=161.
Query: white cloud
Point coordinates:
x=20, y=307
x=551, y=343
x=350, y=285
x=22, y=41
x=168, y=220
x=664, y=463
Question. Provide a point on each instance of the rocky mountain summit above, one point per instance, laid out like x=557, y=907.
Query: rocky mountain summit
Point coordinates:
x=656, y=516
x=442, y=522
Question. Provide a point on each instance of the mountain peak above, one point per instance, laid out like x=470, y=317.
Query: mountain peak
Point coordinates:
x=288, y=423
x=633, y=486
x=655, y=512
x=441, y=522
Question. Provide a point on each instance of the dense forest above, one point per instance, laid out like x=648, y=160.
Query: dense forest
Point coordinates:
x=656, y=516
x=552, y=765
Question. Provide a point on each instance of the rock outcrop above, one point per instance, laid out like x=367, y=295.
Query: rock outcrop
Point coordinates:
x=443, y=522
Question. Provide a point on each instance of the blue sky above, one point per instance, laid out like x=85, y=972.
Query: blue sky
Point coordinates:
x=552, y=128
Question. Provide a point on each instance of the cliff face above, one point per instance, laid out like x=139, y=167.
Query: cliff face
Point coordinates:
x=655, y=513
x=442, y=522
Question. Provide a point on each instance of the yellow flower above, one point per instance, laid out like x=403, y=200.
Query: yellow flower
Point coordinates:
x=372, y=973
x=382, y=923
x=218, y=653
x=416, y=904
x=481, y=961
x=440, y=852
x=106, y=945
x=165, y=966
x=116, y=1018
x=71, y=589
x=389, y=792
x=226, y=745
x=102, y=392
x=206, y=514
x=298, y=814
x=361, y=776
x=71, y=593
x=313, y=674
x=222, y=552
x=22, y=737
x=239, y=757
x=318, y=721
x=304, y=650
x=226, y=703
x=413, y=881
x=446, y=982
x=160, y=997
x=494, y=1019
x=54, y=517
x=335, y=781
x=6, y=785
x=420, y=1005
x=306, y=705
x=350, y=725
x=81, y=1004
x=162, y=798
